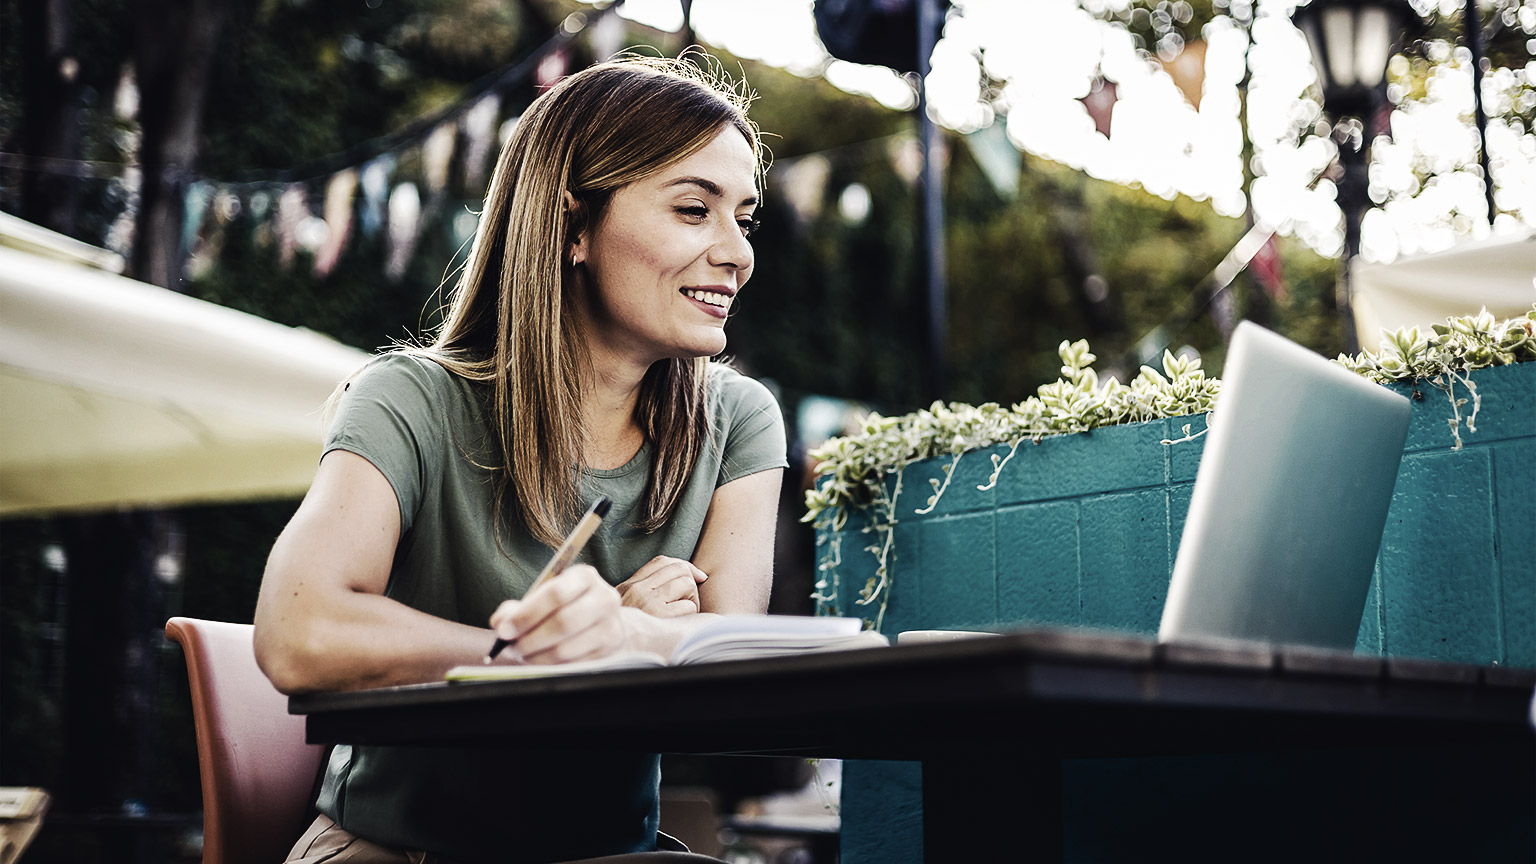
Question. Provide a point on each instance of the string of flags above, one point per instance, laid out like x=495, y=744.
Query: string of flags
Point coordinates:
x=393, y=187
x=387, y=188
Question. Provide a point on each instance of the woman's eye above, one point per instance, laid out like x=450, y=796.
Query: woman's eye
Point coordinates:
x=748, y=225
x=696, y=213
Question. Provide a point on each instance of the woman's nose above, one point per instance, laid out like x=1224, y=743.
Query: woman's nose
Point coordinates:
x=732, y=250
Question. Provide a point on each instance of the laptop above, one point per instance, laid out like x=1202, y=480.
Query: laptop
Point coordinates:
x=1289, y=501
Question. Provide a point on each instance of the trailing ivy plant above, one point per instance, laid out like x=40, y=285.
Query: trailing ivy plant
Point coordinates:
x=1443, y=357
x=858, y=465
x=864, y=471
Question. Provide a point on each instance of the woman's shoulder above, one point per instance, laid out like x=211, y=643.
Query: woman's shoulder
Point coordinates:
x=401, y=363
x=411, y=384
x=734, y=392
x=407, y=390
x=402, y=371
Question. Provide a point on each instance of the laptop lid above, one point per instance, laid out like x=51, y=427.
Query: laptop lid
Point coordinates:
x=1289, y=501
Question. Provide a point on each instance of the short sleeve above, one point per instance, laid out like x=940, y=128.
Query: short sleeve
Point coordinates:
x=390, y=414
x=749, y=420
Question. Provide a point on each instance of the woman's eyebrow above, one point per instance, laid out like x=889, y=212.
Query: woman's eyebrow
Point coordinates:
x=709, y=186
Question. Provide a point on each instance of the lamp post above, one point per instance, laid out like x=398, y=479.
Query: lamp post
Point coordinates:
x=901, y=34
x=1351, y=42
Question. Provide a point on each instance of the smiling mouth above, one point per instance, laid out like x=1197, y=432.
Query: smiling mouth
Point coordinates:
x=713, y=298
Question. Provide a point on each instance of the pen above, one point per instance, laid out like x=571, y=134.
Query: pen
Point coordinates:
x=564, y=557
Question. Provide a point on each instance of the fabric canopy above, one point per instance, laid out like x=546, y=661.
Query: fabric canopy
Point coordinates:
x=1499, y=274
x=114, y=393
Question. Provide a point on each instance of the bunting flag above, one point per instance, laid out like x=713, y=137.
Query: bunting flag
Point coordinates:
x=998, y=158
x=375, y=185
x=338, y=220
x=804, y=186
x=291, y=210
x=205, y=240
x=1268, y=271
x=906, y=155
x=479, y=129
x=437, y=158
x=260, y=207
x=1187, y=69
x=404, y=227
x=607, y=37
x=312, y=231
x=555, y=65
x=194, y=204
x=120, y=237
x=1100, y=104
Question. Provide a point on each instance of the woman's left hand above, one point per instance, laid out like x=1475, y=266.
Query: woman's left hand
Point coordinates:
x=665, y=587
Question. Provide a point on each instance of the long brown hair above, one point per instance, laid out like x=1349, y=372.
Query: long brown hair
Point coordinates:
x=509, y=321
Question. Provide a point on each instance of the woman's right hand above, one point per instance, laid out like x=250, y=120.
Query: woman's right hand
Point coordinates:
x=665, y=587
x=574, y=616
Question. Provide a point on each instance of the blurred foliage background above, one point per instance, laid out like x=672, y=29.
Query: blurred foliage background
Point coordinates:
x=835, y=308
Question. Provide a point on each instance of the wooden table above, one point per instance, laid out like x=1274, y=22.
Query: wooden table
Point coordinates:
x=989, y=719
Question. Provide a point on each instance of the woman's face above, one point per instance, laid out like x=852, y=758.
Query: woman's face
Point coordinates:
x=662, y=267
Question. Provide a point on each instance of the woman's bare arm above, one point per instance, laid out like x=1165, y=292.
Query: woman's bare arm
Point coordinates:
x=736, y=545
x=322, y=620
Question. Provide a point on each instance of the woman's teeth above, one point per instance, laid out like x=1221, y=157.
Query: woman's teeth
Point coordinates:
x=709, y=297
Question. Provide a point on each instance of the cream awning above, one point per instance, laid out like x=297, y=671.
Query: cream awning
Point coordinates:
x=1499, y=273
x=114, y=393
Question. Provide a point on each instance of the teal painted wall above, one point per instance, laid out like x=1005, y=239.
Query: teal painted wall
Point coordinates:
x=1082, y=530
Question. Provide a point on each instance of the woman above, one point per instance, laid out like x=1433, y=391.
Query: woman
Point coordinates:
x=572, y=365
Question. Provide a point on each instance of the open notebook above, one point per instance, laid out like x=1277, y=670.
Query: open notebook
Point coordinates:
x=729, y=637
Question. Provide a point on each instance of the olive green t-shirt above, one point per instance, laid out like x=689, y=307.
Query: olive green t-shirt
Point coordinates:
x=424, y=428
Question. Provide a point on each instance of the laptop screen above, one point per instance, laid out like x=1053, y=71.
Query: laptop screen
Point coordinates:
x=1289, y=501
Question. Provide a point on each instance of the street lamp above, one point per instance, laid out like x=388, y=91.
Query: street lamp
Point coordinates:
x=1351, y=42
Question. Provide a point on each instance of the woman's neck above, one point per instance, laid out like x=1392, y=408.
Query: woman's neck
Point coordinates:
x=608, y=412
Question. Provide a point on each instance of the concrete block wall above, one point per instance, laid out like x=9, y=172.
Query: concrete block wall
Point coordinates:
x=1082, y=530
x=1076, y=533
x=1456, y=575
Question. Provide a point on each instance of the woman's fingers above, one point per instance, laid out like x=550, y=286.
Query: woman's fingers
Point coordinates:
x=678, y=608
x=572, y=616
x=666, y=587
x=603, y=637
x=665, y=567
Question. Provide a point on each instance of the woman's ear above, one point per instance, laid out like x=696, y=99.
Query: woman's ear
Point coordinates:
x=576, y=228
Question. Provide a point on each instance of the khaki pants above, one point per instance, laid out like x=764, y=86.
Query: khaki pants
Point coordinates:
x=328, y=843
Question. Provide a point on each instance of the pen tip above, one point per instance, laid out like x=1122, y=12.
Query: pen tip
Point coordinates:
x=601, y=508
x=485, y=661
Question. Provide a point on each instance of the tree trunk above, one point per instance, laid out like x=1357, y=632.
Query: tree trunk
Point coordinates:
x=176, y=43
x=1079, y=261
x=49, y=136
